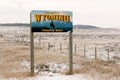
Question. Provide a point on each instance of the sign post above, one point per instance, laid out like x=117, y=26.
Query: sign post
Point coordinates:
x=70, y=54
x=31, y=49
x=51, y=21
x=32, y=53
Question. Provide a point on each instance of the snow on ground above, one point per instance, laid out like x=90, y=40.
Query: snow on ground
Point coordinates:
x=102, y=39
x=56, y=77
x=61, y=77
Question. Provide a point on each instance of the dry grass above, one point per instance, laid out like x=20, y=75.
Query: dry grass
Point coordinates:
x=11, y=58
x=12, y=69
x=17, y=74
x=45, y=56
x=105, y=69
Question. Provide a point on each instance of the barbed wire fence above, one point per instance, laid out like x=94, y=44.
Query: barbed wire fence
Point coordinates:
x=90, y=51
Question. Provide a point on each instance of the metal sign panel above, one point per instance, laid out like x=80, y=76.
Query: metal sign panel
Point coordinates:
x=51, y=21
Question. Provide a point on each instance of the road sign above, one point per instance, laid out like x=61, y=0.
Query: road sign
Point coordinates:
x=51, y=21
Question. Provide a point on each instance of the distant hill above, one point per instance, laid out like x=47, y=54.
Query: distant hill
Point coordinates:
x=28, y=25
x=14, y=24
x=85, y=27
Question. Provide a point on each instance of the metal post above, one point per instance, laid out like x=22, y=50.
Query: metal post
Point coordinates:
x=48, y=46
x=75, y=49
x=32, y=49
x=39, y=43
x=84, y=50
x=60, y=47
x=54, y=46
x=95, y=53
x=108, y=53
x=70, y=54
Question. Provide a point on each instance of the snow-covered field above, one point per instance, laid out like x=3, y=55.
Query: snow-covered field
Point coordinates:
x=51, y=54
x=56, y=77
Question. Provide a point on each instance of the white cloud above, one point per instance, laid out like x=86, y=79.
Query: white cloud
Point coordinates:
x=104, y=13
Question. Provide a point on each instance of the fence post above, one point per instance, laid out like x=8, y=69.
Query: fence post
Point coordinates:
x=48, y=46
x=39, y=43
x=60, y=47
x=95, y=52
x=75, y=49
x=43, y=45
x=108, y=53
x=36, y=43
x=84, y=50
x=54, y=47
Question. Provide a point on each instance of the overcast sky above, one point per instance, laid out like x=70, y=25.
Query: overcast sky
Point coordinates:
x=101, y=13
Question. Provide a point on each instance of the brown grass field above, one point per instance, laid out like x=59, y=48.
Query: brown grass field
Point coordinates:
x=15, y=61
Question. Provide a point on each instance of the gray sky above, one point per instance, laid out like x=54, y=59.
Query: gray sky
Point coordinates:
x=101, y=13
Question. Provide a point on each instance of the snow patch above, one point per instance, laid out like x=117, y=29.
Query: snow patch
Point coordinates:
x=51, y=68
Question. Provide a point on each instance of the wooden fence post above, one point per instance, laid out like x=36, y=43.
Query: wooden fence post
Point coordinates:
x=84, y=50
x=108, y=53
x=75, y=49
x=48, y=46
x=39, y=43
x=54, y=47
x=95, y=52
x=60, y=47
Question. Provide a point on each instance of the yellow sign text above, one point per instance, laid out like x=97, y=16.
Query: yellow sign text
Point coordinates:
x=44, y=17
